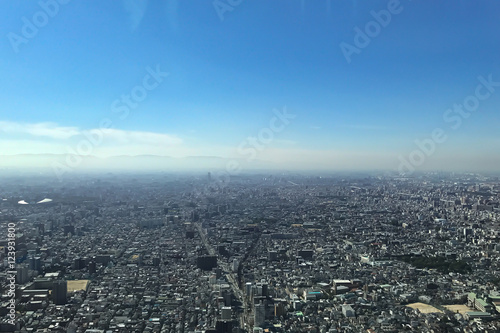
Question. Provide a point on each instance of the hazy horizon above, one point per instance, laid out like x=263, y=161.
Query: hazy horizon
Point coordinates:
x=62, y=164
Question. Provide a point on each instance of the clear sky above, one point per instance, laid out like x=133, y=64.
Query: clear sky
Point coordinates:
x=358, y=100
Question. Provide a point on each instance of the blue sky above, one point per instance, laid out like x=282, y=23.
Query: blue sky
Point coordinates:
x=226, y=76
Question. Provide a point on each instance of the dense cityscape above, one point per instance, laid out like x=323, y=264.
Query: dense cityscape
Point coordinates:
x=277, y=252
x=232, y=166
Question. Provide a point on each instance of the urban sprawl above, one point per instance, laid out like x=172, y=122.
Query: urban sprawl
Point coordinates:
x=276, y=252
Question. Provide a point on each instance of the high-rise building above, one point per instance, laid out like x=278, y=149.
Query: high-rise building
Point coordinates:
x=235, y=265
x=223, y=326
x=279, y=309
x=226, y=313
x=92, y=267
x=248, y=289
x=69, y=229
x=35, y=263
x=206, y=263
x=22, y=274
x=261, y=289
x=156, y=261
x=79, y=263
x=60, y=292
x=259, y=315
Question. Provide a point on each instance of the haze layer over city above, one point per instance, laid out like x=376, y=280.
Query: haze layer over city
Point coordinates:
x=237, y=166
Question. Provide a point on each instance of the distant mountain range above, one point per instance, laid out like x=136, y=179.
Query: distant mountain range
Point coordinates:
x=69, y=162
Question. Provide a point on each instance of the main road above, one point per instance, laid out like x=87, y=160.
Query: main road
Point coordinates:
x=227, y=271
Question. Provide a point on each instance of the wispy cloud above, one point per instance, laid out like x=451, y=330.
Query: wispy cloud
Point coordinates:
x=136, y=11
x=107, y=136
x=47, y=129
x=117, y=136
